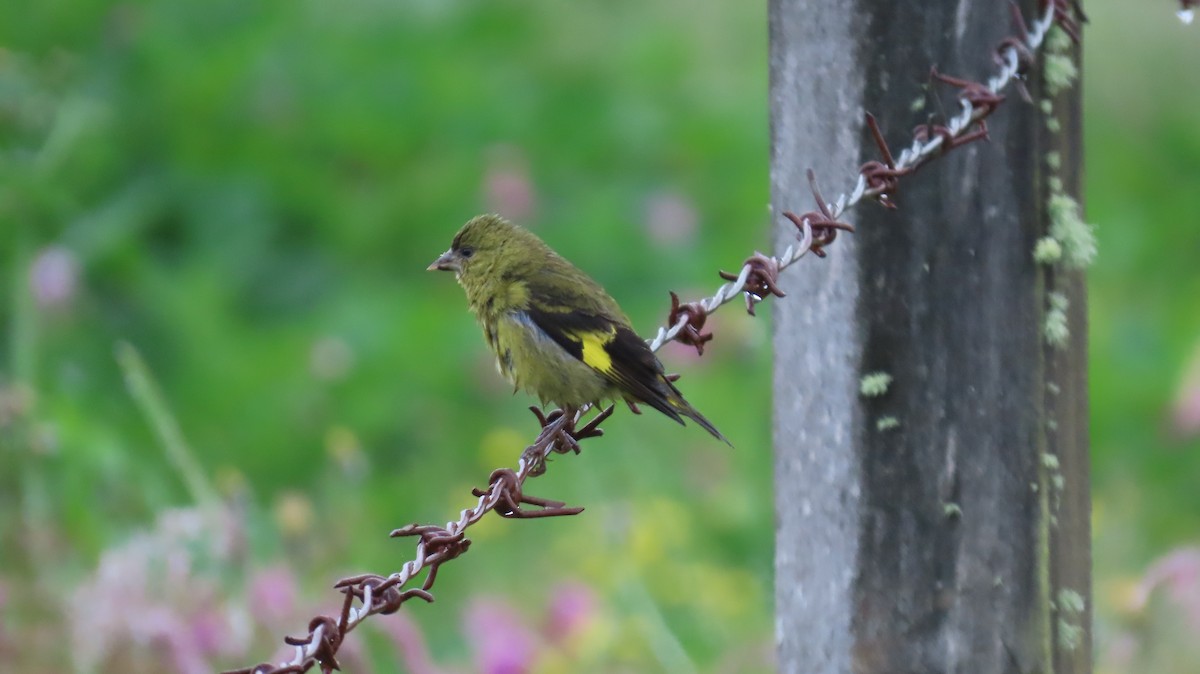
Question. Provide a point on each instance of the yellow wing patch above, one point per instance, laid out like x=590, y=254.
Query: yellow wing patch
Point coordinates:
x=593, y=349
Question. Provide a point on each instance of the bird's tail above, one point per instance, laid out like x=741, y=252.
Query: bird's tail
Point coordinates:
x=683, y=407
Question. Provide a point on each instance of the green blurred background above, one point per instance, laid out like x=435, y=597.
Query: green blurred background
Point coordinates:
x=237, y=200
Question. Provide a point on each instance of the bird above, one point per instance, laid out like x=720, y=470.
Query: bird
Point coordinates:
x=555, y=332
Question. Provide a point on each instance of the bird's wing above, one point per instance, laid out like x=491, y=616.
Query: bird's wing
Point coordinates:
x=604, y=343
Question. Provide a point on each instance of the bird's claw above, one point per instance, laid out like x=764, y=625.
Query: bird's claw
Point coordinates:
x=560, y=436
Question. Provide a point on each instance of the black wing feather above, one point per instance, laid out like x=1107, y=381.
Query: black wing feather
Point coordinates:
x=635, y=369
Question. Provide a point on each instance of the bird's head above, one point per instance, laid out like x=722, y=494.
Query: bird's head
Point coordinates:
x=488, y=248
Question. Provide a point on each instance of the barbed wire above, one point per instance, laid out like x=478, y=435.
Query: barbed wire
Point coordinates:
x=370, y=594
x=876, y=180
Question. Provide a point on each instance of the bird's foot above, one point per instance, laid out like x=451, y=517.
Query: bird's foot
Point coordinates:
x=592, y=428
x=560, y=435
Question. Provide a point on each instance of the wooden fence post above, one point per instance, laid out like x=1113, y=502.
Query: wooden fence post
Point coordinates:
x=942, y=526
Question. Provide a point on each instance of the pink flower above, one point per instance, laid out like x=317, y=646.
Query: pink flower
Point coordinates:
x=502, y=642
x=273, y=595
x=571, y=609
x=671, y=219
x=213, y=631
x=3, y=602
x=155, y=597
x=1185, y=409
x=53, y=277
x=507, y=187
x=410, y=641
x=1178, y=575
x=1121, y=651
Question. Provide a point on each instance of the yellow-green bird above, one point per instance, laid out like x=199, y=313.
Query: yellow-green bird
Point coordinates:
x=554, y=330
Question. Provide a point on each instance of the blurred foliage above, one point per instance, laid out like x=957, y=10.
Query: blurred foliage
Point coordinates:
x=248, y=195
x=1141, y=92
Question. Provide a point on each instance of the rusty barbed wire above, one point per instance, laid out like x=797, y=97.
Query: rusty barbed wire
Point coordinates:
x=437, y=545
x=879, y=179
x=370, y=594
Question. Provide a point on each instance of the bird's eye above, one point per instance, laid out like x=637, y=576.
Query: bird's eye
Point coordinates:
x=467, y=252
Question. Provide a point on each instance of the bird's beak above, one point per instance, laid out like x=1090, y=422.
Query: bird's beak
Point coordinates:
x=447, y=262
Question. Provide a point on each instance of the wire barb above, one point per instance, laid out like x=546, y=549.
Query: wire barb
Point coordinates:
x=511, y=498
x=883, y=177
x=1068, y=14
x=762, y=281
x=690, y=317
